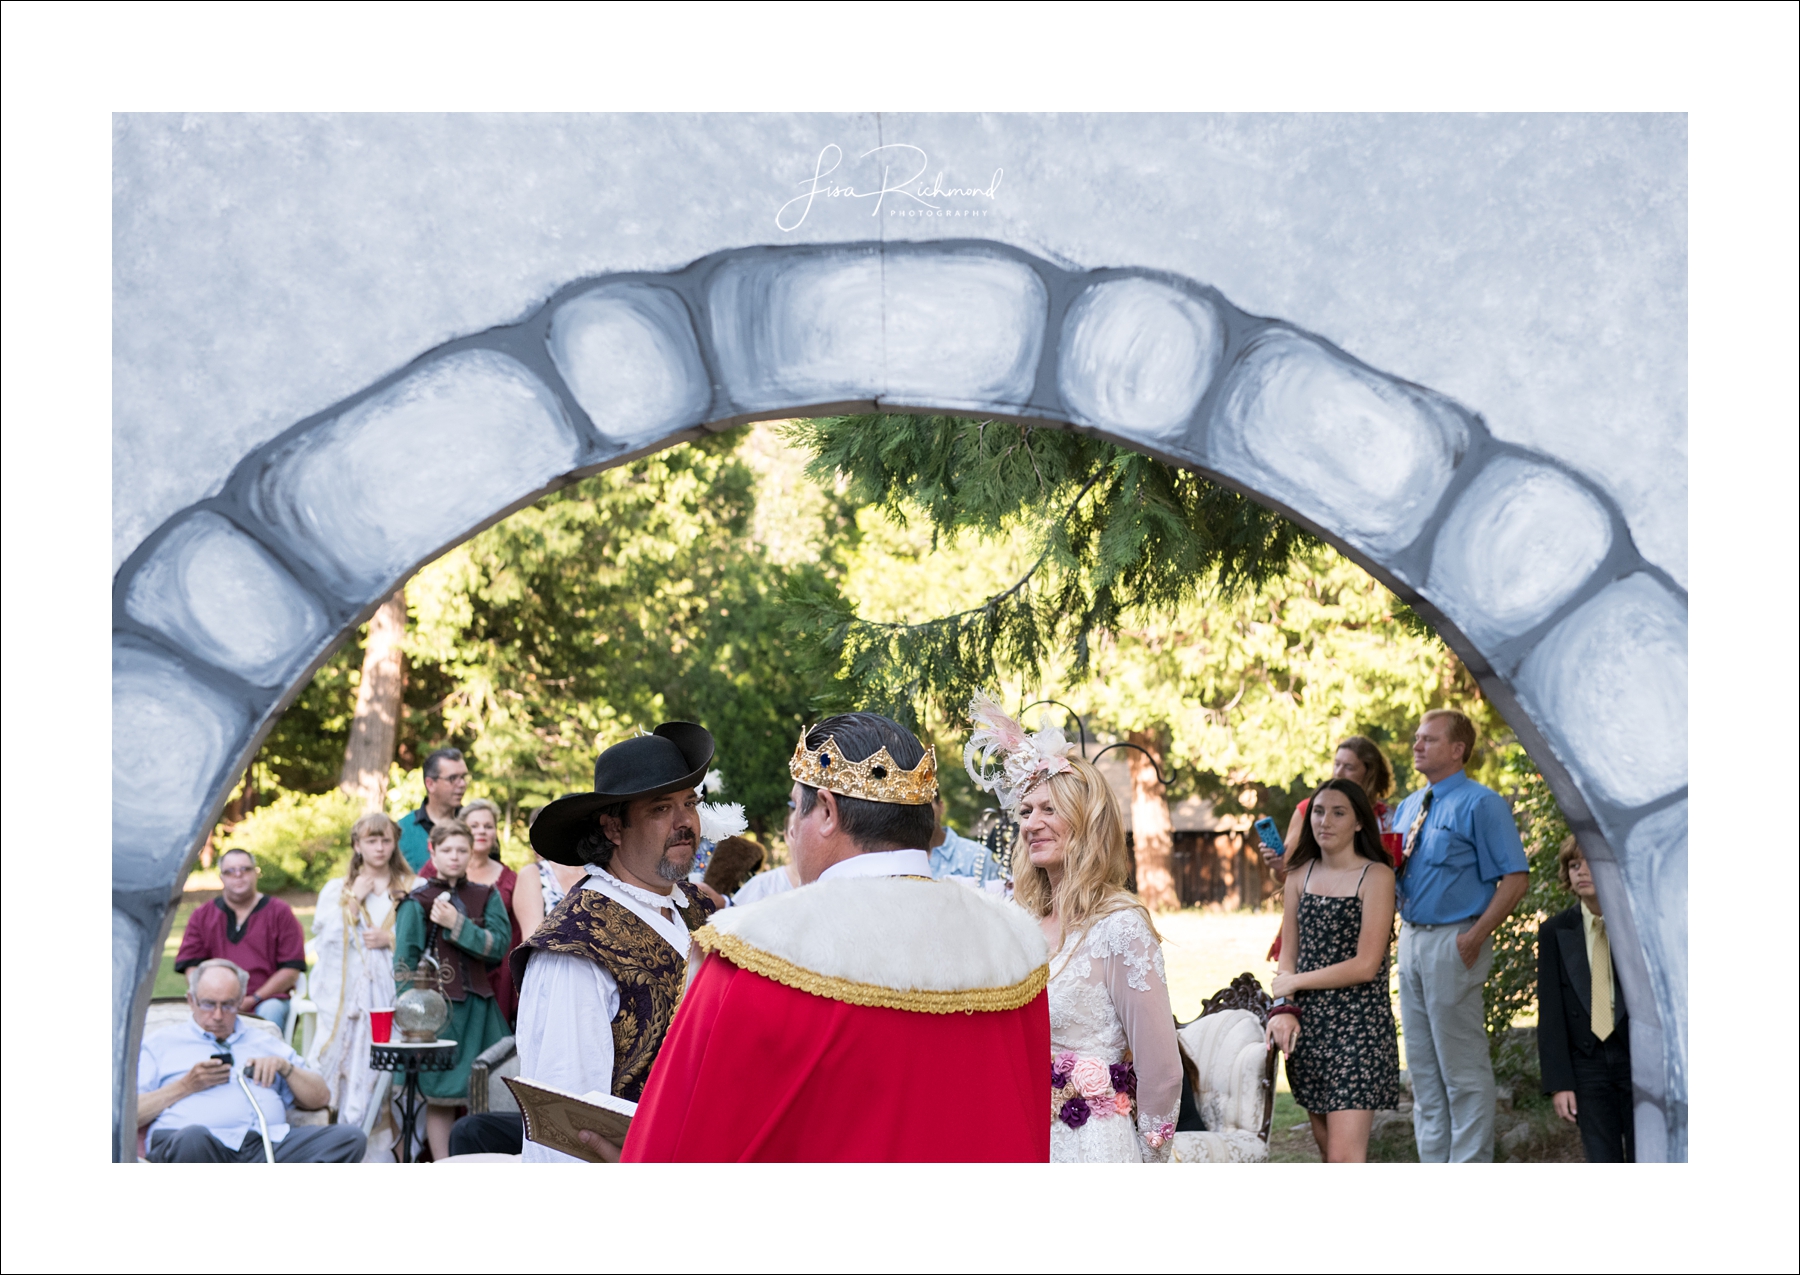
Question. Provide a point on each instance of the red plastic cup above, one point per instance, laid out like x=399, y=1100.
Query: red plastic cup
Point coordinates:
x=381, y=1025
x=1395, y=844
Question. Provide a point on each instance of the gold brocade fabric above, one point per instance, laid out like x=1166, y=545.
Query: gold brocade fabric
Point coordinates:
x=650, y=974
x=975, y=1000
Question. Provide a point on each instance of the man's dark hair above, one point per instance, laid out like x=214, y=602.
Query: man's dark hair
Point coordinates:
x=236, y=850
x=594, y=847
x=873, y=825
x=440, y=755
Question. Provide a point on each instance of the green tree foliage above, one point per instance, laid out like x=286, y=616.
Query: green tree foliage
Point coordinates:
x=1252, y=694
x=304, y=751
x=1166, y=604
x=1512, y=986
x=1115, y=531
x=637, y=596
x=300, y=840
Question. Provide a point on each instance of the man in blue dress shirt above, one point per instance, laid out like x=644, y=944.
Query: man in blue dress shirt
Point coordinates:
x=1464, y=871
x=198, y=1110
x=954, y=855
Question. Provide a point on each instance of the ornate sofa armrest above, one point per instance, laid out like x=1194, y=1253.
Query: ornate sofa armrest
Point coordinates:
x=486, y=1062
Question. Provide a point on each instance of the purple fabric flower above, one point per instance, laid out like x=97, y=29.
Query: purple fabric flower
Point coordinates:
x=1124, y=1078
x=1058, y=1078
x=1074, y=1113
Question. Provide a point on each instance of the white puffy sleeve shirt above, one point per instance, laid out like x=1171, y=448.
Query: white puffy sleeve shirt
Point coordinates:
x=568, y=1003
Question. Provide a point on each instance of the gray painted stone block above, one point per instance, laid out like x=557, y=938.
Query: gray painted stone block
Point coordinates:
x=172, y=736
x=1610, y=685
x=368, y=495
x=963, y=328
x=214, y=590
x=1521, y=539
x=1656, y=874
x=128, y=942
x=1348, y=448
x=1137, y=355
x=796, y=329
x=630, y=356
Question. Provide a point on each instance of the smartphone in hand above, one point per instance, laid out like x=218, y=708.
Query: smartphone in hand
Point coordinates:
x=1270, y=836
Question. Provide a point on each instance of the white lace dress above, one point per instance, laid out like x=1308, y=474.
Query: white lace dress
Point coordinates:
x=1109, y=1004
x=348, y=980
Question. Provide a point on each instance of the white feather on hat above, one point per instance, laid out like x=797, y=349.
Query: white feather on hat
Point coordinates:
x=719, y=820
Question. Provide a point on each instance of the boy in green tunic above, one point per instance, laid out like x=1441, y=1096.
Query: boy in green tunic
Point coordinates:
x=441, y=913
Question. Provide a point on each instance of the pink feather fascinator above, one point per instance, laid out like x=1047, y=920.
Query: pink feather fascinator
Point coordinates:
x=1002, y=758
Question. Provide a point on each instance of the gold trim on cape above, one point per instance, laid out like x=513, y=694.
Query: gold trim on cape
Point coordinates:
x=989, y=1000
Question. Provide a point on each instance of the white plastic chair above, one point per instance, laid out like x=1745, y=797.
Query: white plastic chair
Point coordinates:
x=301, y=1009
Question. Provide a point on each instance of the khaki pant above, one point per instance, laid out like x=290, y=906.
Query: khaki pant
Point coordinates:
x=1447, y=1044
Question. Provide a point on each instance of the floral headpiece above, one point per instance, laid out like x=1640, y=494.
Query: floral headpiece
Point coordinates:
x=877, y=778
x=1025, y=760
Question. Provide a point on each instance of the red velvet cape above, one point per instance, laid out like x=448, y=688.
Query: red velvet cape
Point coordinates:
x=755, y=1070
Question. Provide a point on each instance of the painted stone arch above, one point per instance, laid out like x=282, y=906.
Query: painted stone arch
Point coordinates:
x=1526, y=567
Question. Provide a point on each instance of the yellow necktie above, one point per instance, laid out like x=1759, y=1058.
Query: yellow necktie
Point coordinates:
x=1601, y=1018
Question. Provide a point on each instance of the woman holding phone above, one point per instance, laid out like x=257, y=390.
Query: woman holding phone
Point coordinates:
x=1358, y=759
x=1332, y=1017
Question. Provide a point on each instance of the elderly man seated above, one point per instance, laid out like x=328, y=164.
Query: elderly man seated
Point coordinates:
x=201, y=1107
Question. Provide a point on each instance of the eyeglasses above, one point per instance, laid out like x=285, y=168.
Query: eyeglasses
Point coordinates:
x=242, y=870
x=215, y=1007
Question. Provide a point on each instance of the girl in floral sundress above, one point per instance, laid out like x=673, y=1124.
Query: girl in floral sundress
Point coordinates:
x=1333, y=1018
x=1115, y=1068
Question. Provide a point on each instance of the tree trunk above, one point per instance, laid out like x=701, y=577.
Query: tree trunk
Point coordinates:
x=376, y=725
x=1153, y=832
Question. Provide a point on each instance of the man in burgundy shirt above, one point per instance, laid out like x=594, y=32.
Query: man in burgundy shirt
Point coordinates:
x=260, y=933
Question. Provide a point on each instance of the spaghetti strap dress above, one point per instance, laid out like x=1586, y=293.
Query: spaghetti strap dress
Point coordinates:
x=1348, y=1054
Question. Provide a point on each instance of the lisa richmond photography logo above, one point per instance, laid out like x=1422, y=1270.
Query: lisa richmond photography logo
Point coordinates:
x=893, y=176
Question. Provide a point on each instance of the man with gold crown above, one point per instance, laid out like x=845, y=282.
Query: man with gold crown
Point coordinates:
x=872, y=1015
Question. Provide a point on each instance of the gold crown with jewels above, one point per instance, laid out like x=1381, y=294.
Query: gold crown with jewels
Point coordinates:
x=877, y=778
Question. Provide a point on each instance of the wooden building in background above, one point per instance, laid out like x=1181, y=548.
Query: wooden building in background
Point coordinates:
x=1216, y=860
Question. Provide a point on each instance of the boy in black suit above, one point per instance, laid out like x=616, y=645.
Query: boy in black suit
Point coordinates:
x=1584, y=1050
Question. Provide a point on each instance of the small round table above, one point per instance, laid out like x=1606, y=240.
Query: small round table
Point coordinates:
x=412, y=1058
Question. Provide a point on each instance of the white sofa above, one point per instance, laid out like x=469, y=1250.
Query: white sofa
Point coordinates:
x=1232, y=1076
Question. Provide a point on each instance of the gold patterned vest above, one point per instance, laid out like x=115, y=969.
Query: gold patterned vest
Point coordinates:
x=649, y=973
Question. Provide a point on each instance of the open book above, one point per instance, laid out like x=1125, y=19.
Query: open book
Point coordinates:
x=553, y=1117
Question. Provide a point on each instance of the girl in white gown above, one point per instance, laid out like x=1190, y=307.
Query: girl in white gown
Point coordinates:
x=1115, y=1082
x=353, y=931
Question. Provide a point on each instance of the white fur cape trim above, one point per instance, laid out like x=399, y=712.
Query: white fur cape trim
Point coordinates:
x=900, y=934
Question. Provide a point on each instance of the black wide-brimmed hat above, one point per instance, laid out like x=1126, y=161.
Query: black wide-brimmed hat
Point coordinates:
x=673, y=757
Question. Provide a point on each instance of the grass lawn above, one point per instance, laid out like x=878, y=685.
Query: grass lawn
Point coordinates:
x=168, y=982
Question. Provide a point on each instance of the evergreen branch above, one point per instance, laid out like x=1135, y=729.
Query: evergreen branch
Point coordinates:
x=1148, y=542
x=998, y=598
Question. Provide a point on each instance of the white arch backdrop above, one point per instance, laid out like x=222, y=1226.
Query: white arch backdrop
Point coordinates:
x=326, y=328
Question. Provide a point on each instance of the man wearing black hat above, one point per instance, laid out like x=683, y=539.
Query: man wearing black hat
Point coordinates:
x=872, y=1015
x=599, y=980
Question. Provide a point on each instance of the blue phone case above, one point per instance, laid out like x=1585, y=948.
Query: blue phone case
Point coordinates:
x=1271, y=836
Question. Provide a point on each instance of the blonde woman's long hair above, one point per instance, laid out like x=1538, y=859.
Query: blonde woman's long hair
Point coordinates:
x=1095, y=864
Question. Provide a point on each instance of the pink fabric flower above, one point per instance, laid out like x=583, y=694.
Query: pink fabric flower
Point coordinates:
x=1092, y=1079
x=1122, y=1103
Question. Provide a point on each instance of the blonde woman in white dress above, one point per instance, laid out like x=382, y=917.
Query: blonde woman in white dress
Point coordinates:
x=353, y=932
x=1115, y=1068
